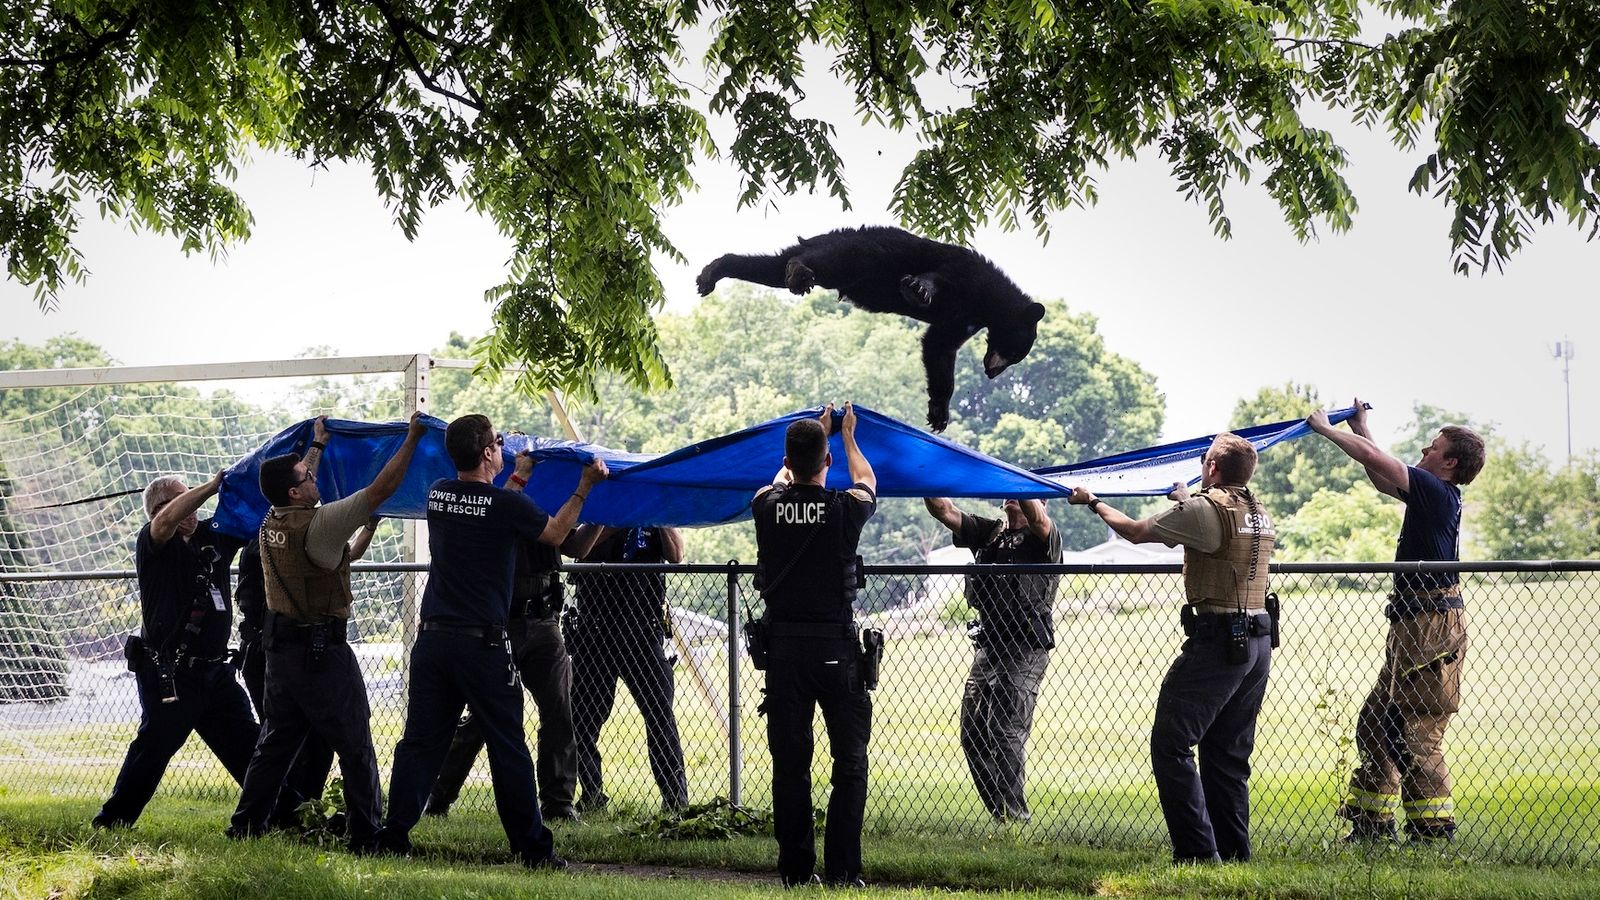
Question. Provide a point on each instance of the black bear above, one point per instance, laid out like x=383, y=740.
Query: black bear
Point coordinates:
x=955, y=290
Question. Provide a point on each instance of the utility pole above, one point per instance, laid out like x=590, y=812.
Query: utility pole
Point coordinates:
x=1564, y=352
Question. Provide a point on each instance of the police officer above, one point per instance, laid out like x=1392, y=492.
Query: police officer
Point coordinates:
x=546, y=669
x=617, y=633
x=180, y=657
x=1213, y=692
x=313, y=682
x=463, y=656
x=806, y=536
x=315, y=759
x=1400, y=729
x=1013, y=637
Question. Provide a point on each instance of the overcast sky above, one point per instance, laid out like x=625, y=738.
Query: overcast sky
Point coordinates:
x=1375, y=312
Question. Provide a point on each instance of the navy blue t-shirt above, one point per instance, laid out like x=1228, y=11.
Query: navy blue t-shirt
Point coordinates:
x=473, y=530
x=1430, y=531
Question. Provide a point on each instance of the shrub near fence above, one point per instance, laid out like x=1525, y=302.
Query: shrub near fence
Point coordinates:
x=1524, y=750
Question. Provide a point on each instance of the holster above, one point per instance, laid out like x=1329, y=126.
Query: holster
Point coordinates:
x=757, y=642
x=871, y=657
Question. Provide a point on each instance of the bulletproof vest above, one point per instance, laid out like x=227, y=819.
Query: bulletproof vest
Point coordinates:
x=631, y=598
x=538, y=569
x=1223, y=577
x=805, y=564
x=1014, y=609
x=297, y=587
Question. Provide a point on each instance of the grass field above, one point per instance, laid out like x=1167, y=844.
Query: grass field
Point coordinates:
x=1525, y=750
x=177, y=851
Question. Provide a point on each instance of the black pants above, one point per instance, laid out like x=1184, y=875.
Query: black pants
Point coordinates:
x=547, y=674
x=1207, y=702
x=449, y=671
x=314, y=761
x=802, y=674
x=210, y=702
x=997, y=705
x=636, y=657
x=326, y=698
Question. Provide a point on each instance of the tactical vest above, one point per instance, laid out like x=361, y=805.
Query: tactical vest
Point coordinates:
x=538, y=571
x=1015, y=609
x=806, y=568
x=1223, y=577
x=297, y=587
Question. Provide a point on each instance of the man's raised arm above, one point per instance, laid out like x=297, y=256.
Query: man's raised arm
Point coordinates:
x=1381, y=467
x=860, y=469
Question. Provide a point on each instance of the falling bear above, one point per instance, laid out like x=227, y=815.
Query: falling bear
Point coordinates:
x=881, y=269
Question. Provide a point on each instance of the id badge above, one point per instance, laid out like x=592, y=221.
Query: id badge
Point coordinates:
x=216, y=600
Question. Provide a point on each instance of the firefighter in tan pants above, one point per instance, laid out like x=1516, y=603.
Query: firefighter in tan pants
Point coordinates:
x=1400, y=730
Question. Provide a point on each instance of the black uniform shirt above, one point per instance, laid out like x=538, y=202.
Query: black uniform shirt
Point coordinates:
x=1002, y=600
x=178, y=581
x=251, y=595
x=805, y=554
x=473, y=530
x=631, y=598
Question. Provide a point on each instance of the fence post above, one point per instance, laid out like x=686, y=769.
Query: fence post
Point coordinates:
x=735, y=748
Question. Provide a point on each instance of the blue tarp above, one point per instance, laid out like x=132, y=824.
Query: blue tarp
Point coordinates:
x=710, y=482
x=1154, y=470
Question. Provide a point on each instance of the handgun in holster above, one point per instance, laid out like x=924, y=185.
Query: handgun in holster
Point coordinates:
x=871, y=657
x=757, y=640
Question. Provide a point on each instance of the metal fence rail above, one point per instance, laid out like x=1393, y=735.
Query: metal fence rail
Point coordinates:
x=1524, y=749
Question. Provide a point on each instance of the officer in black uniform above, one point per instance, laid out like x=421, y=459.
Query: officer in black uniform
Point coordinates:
x=315, y=759
x=546, y=669
x=617, y=632
x=463, y=656
x=806, y=538
x=1012, y=640
x=180, y=657
x=313, y=682
x=1213, y=692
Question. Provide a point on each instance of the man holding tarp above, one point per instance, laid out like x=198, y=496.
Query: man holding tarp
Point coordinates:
x=1213, y=692
x=808, y=570
x=1400, y=729
x=179, y=658
x=313, y=681
x=463, y=656
x=1013, y=638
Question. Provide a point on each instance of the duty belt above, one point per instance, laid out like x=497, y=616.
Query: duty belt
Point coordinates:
x=835, y=630
x=1411, y=606
x=483, y=632
x=1207, y=626
x=286, y=630
x=532, y=609
x=189, y=662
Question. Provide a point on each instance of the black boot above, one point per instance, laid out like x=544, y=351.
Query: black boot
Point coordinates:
x=1366, y=830
x=1431, y=832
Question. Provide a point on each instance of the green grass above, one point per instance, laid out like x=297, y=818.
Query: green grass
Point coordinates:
x=1525, y=751
x=177, y=851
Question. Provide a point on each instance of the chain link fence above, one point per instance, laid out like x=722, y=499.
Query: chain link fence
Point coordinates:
x=1524, y=749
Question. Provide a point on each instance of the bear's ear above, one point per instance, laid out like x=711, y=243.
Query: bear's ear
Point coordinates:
x=1034, y=312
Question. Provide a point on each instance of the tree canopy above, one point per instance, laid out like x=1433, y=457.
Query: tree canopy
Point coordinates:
x=574, y=125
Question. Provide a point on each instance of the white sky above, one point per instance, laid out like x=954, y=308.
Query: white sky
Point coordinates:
x=1375, y=312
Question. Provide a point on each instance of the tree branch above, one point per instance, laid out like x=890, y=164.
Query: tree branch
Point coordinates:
x=96, y=45
x=398, y=26
x=1297, y=42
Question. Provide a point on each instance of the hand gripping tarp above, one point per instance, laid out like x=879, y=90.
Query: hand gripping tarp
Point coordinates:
x=1154, y=470
x=710, y=482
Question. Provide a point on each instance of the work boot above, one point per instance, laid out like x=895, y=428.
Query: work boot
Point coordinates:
x=436, y=809
x=593, y=802
x=566, y=813
x=805, y=881
x=1366, y=830
x=1430, y=832
x=552, y=863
